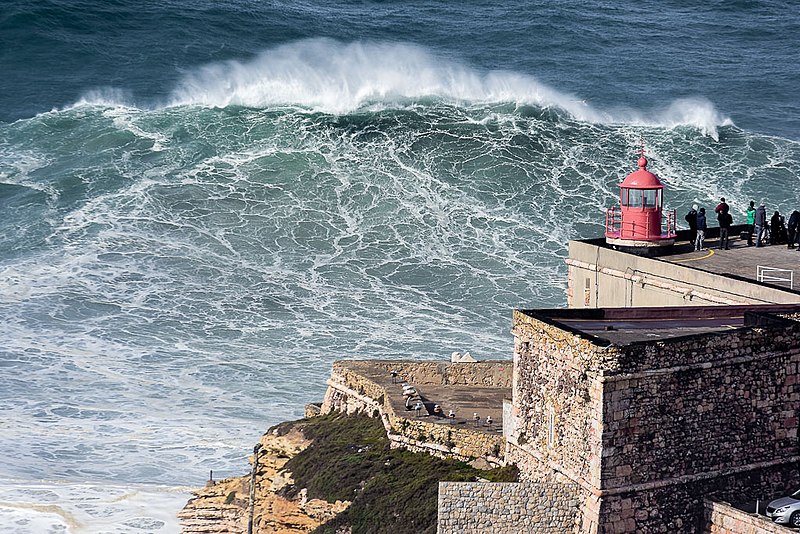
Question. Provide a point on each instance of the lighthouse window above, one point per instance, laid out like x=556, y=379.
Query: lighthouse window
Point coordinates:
x=632, y=198
x=650, y=197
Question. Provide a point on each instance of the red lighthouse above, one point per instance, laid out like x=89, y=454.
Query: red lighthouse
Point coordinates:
x=637, y=222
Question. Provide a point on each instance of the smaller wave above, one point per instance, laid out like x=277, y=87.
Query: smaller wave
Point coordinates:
x=697, y=112
x=106, y=97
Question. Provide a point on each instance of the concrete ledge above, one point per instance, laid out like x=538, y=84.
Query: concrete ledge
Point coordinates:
x=722, y=518
x=351, y=389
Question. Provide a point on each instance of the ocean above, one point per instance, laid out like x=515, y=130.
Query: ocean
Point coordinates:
x=204, y=204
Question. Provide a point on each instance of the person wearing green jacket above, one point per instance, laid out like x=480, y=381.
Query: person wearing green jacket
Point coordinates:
x=751, y=221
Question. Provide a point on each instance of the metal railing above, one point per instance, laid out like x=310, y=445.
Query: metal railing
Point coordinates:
x=774, y=274
x=615, y=223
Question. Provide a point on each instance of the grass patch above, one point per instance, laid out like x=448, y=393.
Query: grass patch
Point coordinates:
x=392, y=490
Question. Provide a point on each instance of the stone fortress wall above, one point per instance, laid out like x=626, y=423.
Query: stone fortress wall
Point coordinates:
x=608, y=438
x=647, y=430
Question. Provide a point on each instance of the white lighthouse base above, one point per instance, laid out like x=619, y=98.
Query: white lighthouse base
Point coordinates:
x=640, y=243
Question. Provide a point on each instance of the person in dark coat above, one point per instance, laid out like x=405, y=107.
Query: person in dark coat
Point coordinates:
x=725, y=221
x=794, y=222
x=760, y=223
x=691, y=218
x=777, y=229
x=701, y=229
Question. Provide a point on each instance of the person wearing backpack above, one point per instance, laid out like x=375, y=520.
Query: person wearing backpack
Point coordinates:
x=701, y=230
x=725, y=221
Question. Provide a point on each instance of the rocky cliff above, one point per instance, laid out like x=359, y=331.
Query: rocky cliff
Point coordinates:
x=223, y=507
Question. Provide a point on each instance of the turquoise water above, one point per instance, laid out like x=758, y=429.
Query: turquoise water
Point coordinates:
x=206, y=204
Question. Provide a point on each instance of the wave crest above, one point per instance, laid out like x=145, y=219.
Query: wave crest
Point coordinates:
x=329, y=76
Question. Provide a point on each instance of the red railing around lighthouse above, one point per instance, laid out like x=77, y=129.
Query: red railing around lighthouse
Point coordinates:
x=615, y=224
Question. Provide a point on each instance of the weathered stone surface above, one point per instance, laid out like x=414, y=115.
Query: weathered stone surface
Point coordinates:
x=651, y=428
x=504, y=508
x=224, y=506
x=721, y=518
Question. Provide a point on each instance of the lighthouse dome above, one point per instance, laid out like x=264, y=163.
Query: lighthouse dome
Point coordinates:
x=642, y=179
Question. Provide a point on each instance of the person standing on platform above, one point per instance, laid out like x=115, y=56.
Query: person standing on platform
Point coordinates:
x=751, y=218
x=760, y=221
x=691, y=218
x=794, y=222
x=777, y=229
x=701, y=229
x=725, y=221
x=721, y=208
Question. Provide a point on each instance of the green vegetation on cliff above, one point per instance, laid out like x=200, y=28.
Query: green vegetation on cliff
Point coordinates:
x=392, y=490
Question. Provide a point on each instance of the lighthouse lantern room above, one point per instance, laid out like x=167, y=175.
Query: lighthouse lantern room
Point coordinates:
x=637, y=222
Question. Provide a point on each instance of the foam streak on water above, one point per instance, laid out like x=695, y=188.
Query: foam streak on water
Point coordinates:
x=176, y=278
x=47, y=507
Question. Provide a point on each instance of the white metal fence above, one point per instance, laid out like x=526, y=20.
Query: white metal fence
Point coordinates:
x=773, y=274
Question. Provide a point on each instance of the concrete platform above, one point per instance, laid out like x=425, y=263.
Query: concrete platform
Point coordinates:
x=623, y=332
x=741, y=260
x=464, y=400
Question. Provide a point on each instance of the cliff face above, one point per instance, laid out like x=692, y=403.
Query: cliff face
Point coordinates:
x=212, y=511
x=223, y=507
x=367, y=449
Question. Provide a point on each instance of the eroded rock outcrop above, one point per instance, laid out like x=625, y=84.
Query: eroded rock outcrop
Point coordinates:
x=224, y=507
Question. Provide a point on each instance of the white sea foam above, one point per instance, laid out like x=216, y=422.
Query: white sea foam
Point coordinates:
x=107, y=97
x=125, y=119
x=87, y=508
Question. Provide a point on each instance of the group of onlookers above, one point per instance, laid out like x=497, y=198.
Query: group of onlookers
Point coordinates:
x=698, y=224
x=772, y=232
x=776, y=231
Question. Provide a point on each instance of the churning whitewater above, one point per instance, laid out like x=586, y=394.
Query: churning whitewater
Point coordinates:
x=179, y=267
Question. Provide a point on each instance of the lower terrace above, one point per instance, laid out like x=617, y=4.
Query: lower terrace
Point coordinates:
x=465, y=389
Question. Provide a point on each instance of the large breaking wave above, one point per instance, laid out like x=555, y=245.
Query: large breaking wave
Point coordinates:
x=329, y=76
